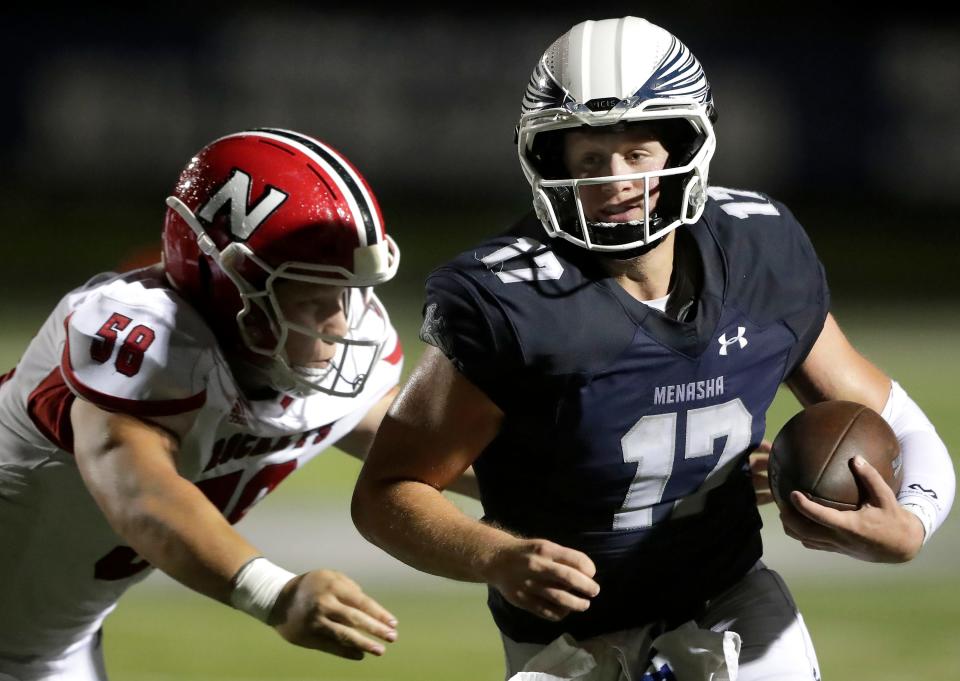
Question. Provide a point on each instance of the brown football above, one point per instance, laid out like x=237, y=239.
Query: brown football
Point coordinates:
x=812, y=453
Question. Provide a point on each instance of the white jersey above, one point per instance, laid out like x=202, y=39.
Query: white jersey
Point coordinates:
x=129, y=343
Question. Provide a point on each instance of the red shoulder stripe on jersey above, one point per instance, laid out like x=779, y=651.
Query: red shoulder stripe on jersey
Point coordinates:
x=49, y=408
x=7, y=376
x=396, y=355
x=120, y=404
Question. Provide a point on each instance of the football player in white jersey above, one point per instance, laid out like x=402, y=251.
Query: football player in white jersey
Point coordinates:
x=606, y=365
x=154, y=408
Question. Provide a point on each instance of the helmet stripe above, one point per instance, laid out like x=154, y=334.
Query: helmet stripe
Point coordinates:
x=543, y=90
x=679, y=73
x=369, y=227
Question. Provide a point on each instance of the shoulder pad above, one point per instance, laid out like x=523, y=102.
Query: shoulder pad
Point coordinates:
x=774, y=271
x=741, y=204
x=137, y=349
x=386, y=372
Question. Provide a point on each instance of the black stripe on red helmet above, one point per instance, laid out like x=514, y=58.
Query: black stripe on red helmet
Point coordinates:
x=366, y=210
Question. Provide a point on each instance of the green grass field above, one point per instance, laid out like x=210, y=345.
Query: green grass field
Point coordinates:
x=896, y=623
x=907, y=630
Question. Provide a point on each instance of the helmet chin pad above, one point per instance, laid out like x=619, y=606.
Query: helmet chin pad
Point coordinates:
x=564, y=202
x=615, y=233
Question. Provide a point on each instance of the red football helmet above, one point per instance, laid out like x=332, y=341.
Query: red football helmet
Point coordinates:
x=262, y=206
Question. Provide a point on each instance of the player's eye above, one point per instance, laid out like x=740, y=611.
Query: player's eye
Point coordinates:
x=590, y=163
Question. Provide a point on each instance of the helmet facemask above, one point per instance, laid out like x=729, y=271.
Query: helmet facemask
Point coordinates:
x=356, y=350
x=678, y=190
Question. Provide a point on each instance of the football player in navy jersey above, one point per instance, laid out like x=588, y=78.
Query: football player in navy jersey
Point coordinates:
x=606, y=365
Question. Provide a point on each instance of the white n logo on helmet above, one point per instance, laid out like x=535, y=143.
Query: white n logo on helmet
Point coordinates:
x=236, y=191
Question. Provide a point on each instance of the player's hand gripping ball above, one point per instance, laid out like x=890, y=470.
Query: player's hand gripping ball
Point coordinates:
x=812, y=454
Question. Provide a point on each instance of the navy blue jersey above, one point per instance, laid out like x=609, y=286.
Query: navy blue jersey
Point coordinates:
x=627, y=430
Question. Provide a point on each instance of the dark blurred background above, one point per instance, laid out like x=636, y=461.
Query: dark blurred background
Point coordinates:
x=853, y=120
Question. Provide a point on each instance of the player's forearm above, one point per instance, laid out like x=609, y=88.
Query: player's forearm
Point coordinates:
x=416, y=524
x=178, y=531
x=129, y=467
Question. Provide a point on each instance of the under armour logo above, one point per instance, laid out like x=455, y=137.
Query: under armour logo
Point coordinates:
x=236, y=192
x=928, y=492
x=739, y=338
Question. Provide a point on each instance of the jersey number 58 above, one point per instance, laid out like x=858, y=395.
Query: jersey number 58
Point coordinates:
x=134, y=345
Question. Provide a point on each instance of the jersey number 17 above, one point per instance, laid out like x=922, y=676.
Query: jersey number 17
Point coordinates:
x=652, y=443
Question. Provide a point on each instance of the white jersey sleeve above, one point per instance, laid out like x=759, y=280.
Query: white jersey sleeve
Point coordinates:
x=137, y=350
x=386, y=372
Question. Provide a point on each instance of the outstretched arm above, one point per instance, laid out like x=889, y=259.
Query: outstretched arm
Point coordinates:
x=357, y=443
x=129, y=466
x=435, y=429
x=882, y=530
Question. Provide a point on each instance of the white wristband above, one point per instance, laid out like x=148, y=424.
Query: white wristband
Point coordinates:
x=924, y=514
x=256, y=587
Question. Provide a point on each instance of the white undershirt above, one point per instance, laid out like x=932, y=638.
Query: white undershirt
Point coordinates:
x=657, y=303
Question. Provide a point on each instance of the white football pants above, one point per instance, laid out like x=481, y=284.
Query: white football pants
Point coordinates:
x=83, y=664
x=775, y=643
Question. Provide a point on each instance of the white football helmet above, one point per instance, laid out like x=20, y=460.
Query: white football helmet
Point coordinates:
x=616, y=72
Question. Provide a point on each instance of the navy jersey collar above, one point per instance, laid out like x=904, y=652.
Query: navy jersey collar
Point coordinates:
x=697, y=292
